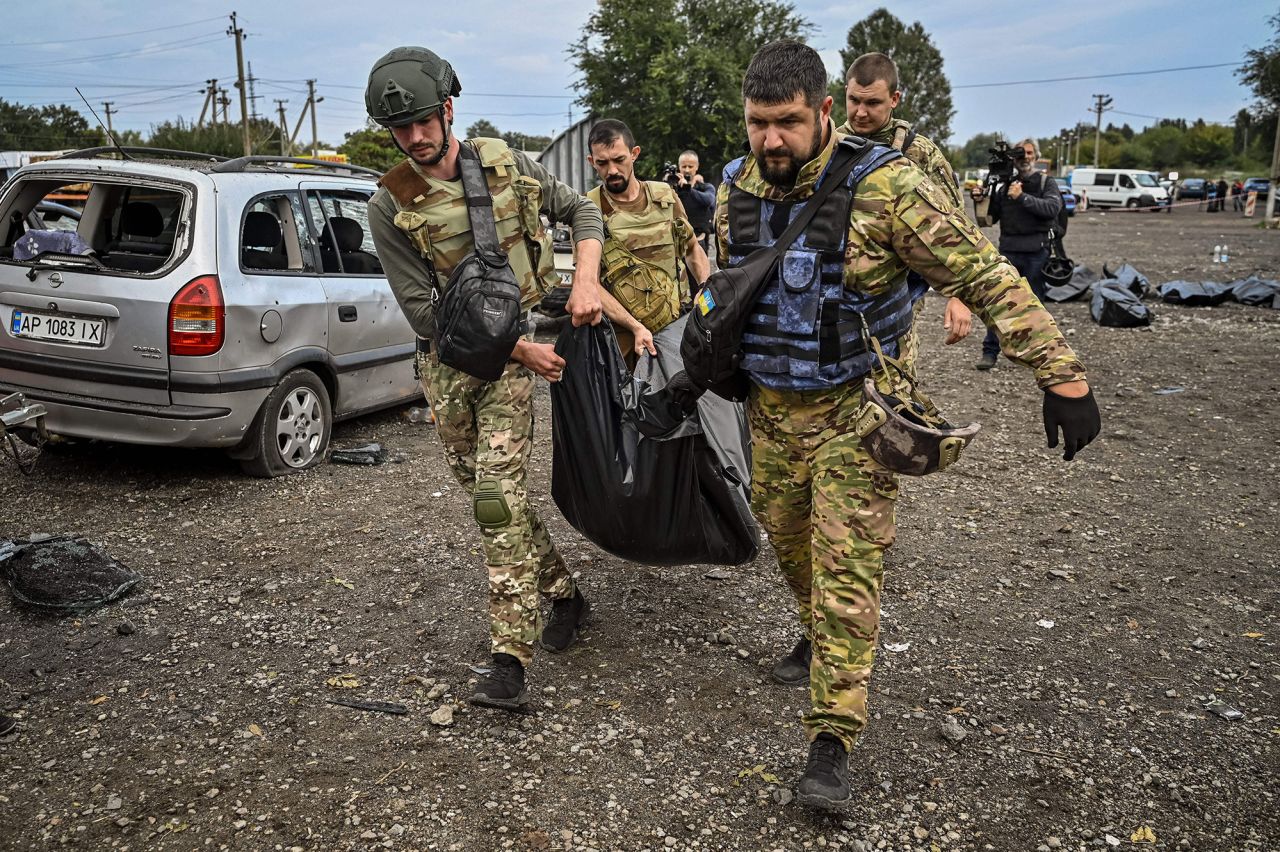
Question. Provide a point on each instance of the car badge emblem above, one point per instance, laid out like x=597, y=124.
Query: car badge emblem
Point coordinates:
x=55, y=279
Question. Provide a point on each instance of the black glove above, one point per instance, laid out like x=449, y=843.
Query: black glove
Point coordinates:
x=1078, y=417
x=684, y=392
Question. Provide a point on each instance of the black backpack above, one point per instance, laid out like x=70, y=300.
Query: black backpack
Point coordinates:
x=478, y=317
x=711, y=347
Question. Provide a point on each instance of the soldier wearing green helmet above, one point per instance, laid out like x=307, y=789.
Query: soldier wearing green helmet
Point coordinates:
x=421, y=225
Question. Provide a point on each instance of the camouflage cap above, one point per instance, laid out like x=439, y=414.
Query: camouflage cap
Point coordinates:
x=910, y=436
x=407, y=85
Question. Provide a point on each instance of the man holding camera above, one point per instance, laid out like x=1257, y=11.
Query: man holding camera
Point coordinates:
x=1026, y=206
x=871, y=94
x=697, y=196
x=648, y=241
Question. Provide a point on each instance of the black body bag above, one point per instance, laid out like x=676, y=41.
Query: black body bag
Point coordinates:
x=636, y=475
x=712, y=342
x=478, y=317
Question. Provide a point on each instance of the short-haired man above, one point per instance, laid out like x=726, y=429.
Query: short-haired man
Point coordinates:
x=827, y=505
x=872, y=93
x=421, y=218
x=1027, y=209
x=648, y=241
x=697, y=196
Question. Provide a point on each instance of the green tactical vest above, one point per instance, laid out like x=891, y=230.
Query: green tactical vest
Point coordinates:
x=434, y=215
x=642, y=260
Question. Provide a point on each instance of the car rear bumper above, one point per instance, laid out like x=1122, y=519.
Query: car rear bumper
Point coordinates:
x=220, y=421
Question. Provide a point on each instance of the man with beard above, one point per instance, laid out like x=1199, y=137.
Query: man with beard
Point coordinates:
x=871, y=95
x=421, y=224
x=648, y=241
x=826, y=503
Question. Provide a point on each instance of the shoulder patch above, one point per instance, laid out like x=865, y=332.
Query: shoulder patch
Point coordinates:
x=933, y=194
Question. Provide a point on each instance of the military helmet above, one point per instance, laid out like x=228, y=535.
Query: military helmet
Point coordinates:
x=908, y=435
x=407, y=85
x=1058, y=271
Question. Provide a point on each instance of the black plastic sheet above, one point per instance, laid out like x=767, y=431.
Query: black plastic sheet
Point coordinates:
x=1082, y=280
x=1130, y=278
x=1194, y=293
x=1117, y=306
x=1256, y=291
x=63, y=572
x=636, y=476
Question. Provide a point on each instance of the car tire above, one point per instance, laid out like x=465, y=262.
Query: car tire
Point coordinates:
x=292, y=430
x=1131, y=203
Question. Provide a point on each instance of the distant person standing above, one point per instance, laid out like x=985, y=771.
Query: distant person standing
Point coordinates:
x=1237, y=196
x=1222, y=194
x=697, y=196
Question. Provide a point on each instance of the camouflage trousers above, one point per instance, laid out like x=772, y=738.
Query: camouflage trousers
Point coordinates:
x=487, y=432
x=829, y=510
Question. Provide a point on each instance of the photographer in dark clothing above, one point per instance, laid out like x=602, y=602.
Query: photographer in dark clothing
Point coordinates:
x=1026, y=208
x=697, y=196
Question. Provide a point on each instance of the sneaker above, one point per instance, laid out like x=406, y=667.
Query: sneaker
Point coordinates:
x=567, y=617
x=825, y=783
x=986, y=362
x=793, y=669
x=7, y=726
x=503, y=686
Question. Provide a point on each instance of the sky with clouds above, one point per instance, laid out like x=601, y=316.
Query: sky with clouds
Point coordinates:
x=512, y=62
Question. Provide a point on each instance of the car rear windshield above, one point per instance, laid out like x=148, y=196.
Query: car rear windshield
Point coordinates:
x=133, y=228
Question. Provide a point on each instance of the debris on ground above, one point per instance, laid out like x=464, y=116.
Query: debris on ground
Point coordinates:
x=63, y=572
x=372, y=706
x=369, y=454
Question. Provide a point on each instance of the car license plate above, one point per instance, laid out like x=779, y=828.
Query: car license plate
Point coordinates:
x=63, y=329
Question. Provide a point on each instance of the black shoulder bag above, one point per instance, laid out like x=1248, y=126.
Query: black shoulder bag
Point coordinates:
x=711, y=347
x=478, y=317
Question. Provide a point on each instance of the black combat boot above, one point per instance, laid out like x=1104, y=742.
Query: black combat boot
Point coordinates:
x=503, y=686
x=986, y=362
x=567, y=617
x=793, y=669
x=825, y=784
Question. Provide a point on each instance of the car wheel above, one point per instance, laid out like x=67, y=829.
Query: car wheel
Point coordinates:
x=291, y=432
x=1131, y=203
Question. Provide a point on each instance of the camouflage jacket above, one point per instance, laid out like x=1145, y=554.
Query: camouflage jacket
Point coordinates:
x=417, y=220
x=921, y=151
x=902, y=221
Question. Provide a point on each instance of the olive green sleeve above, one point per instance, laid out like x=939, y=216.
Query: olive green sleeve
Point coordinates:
x=406, y=271
x=561, y=204
x=938, y=241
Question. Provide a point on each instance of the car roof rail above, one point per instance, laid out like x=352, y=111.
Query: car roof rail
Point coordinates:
x=240, y=164
x=158, y=153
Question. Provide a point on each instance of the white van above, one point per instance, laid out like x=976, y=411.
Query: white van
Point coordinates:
x=1118, y=187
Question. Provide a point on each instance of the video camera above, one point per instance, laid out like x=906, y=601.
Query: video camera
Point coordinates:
x=670, y=173
x=1004, y=164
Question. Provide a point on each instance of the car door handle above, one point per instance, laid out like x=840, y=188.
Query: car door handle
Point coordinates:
x=346, y=313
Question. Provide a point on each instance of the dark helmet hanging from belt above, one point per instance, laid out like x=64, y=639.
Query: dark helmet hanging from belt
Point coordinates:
x=407, y=85
x=1058, y=271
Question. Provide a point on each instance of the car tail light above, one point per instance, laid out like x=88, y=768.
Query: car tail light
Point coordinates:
x=196, y=317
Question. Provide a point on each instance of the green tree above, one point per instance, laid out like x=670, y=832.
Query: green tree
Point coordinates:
x=484, y=128
x=371, y=147
x=926, y=92
x=1207, y=145
x=524, y=141
x=49, y=128
x=672, y=70
x=975, y=152
x=1261, y=73
x=225, y=140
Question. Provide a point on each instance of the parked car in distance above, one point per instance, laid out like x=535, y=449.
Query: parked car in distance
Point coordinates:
x=1192, y=188
x=1118, y=188
x=1260, y=185
x=227, y=303
x=1068, y=197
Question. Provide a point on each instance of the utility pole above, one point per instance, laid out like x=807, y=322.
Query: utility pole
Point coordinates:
x=106, y=108
x=233, y=30
x=1102, y=102
x=311, y=104
x=225, y=101
x=210, y=97
x=284, y=128
x=253, y=92
x=1275, y=176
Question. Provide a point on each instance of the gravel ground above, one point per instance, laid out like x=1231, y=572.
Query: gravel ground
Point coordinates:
x=1051, y=636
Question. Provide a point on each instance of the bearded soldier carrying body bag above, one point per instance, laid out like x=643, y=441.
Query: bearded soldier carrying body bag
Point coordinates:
x=457, y=226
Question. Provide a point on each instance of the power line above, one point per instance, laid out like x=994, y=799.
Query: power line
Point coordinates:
x=1097, y=76
x=161, y=47
x=113, y=35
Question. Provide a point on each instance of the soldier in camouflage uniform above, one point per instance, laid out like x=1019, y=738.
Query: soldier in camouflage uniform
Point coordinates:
x=648, y=241
x=422, y=231
x=871, y=94
x=827, y=505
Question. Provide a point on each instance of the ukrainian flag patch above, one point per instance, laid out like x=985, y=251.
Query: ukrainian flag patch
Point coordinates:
x=706, y=302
